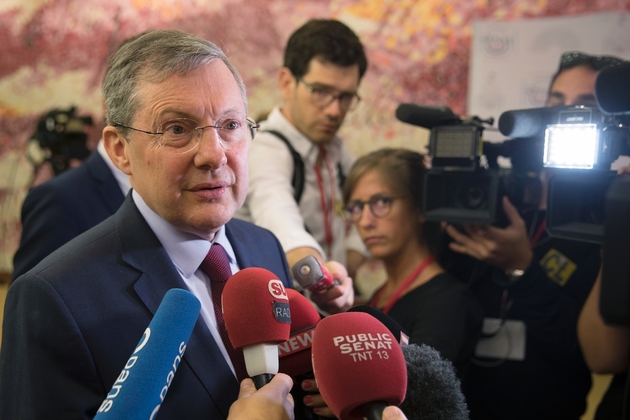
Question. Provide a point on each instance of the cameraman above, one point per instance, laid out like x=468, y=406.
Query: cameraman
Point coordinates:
x=532, y=288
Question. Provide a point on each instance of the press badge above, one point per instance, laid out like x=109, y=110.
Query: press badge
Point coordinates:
x=508, y=343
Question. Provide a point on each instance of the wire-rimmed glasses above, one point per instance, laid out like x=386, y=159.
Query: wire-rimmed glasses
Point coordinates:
x=182, y=135
x=321, y=97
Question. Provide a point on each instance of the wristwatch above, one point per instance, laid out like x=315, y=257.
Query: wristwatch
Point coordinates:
x=514, y=275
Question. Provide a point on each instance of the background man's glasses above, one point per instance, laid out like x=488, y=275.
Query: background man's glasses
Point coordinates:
x=321, y=97
x=598, y=62
x=380, y=206
x=182, y=135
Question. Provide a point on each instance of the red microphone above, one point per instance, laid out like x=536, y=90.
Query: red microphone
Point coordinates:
x=312, y=275
x=295, y=353
x=359, y=367
x=257, y=318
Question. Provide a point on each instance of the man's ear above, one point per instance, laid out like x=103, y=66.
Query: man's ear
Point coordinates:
x=117, y=148
x=286, y=83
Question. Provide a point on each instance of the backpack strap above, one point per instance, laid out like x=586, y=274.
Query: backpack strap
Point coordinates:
x=298, y=166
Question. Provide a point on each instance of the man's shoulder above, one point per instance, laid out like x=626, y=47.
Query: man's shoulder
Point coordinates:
x=245, y=228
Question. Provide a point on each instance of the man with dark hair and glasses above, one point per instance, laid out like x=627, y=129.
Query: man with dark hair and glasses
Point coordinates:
x=177, y=126
x=532, y=287
x=298, y=161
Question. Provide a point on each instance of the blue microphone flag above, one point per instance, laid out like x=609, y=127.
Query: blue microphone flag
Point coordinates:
x=143, y=382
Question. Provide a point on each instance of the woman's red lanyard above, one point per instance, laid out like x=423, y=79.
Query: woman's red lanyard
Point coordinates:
x=403, y=286
x=327, y=207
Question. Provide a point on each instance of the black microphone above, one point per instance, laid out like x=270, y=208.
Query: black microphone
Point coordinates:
x=612, y=89
x=426, y=116
x=433, y=389
x=524, y=123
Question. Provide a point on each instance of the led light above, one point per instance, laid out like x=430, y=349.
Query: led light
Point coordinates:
x=571, y=146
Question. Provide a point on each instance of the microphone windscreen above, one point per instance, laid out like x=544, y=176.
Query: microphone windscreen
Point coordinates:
x=524, y=123
x=612, y=89
x=434, y=391
x=357, y=362
x=426, y=116
x=295, y=353
x=256, y=308
x=394, y=327
x=141, y=386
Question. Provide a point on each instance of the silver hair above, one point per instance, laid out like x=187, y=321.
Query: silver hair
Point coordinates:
x=155, y=56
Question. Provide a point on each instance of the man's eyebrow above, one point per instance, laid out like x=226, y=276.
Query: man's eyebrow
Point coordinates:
x=321, y=85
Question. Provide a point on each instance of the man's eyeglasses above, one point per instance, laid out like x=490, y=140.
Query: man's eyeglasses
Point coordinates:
x=321, y=97
x=380, y=206
x=597, y=62
x=182, y=135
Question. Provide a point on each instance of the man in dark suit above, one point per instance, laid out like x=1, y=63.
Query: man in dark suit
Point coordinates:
x=176, y=110
x=64, y=207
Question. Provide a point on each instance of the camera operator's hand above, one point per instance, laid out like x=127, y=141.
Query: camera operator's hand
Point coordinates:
x=507, y=249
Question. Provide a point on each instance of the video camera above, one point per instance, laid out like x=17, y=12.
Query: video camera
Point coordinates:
x=579, y=145
x=60, y=136
x=460, y=187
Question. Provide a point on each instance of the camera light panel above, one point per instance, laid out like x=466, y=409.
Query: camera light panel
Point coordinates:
x=571, y=146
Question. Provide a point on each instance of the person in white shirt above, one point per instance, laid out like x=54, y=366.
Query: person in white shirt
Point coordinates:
x=324, y=62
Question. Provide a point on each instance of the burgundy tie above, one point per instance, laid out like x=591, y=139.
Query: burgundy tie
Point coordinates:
x=217, y=266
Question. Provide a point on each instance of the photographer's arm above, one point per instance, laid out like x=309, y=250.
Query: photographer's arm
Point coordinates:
x=606, y=348
x=507, y=249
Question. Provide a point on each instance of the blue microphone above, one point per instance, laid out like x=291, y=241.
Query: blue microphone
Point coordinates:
x=142, y=385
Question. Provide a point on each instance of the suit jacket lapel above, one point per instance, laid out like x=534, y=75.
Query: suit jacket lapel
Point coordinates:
x=143, y=251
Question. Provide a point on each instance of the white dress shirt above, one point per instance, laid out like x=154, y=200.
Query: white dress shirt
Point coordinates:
x=270, y=202
x=187, y=251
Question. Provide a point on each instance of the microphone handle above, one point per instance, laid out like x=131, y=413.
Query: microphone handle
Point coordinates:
x=262, y=379
x=374, y=411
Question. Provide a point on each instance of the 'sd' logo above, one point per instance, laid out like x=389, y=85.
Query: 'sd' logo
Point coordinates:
x=276, y=288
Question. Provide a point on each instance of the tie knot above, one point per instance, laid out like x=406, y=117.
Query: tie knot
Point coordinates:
x=216, y=264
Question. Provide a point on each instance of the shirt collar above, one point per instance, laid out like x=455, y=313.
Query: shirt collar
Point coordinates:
x=120, y=176
x=305, y=147
x=185, y=249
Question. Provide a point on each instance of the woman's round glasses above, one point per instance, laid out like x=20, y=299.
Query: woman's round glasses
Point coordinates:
x=379, y=206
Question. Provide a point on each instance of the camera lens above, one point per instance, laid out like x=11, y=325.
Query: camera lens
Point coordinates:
x=471, y=195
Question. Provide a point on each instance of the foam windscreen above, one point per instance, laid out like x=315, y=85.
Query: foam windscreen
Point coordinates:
x=147, y=375
x=612, y=89
x=256, y=308
x=357, y=363
x=295, y=353
x=524, y=123
x=426, y=116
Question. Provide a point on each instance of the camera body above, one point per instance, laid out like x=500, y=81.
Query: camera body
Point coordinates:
x=60, y=136
x=579, y=145
x=459, y=188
